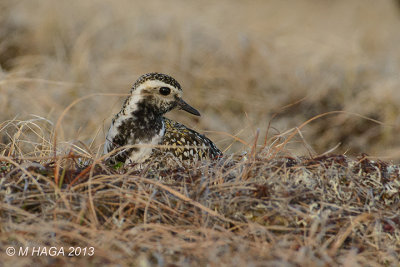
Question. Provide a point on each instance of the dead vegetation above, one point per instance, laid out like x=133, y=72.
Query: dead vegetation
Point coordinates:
x=248, y=210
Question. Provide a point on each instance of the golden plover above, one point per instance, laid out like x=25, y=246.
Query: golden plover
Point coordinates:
x=141, y=125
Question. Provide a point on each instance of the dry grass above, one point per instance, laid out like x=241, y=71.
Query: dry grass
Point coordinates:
x=263, y=209
x=256, y=70
x=238, y=69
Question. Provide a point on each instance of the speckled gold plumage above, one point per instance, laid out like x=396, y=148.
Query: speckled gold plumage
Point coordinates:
x=186, y=143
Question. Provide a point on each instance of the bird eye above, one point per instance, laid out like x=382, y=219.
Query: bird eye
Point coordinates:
x=165, y=90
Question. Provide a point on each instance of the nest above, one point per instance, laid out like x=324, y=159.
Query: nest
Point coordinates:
x=314, y=211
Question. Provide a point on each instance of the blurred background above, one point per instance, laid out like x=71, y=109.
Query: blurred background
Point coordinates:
x=242, y=64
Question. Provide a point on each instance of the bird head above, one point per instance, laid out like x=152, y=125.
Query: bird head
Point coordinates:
x=161, y=93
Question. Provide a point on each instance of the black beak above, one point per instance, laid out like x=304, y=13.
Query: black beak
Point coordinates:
x=186, y=107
